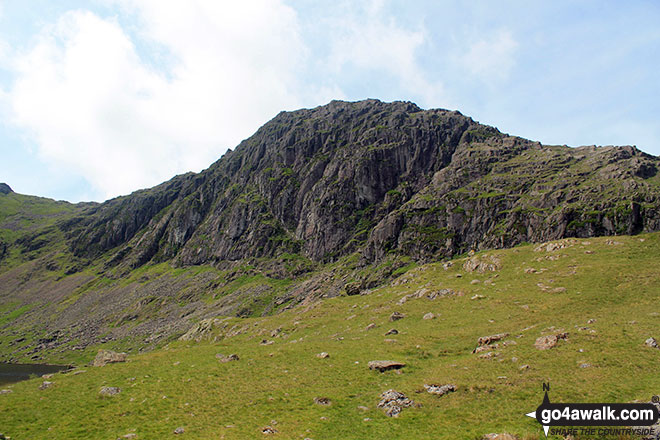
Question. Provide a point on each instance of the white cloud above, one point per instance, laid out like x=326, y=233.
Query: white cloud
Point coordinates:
x=375, y=41
x=94, y=106
x=491, y=57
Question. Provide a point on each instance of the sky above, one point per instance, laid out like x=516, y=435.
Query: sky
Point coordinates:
x=100, y=98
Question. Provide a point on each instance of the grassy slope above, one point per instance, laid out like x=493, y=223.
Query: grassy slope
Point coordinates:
x=183, y=384
x=31, y=220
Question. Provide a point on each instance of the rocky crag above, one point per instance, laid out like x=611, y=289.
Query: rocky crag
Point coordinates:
x=375, y=177
x=365, y=182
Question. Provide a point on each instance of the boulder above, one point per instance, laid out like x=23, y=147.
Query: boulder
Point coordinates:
x=179, y=430
x=651, y=342
x=109, y=391
x=104, y=357
x=45, y=384
x=487, y=340
x=385, y=365
x=485, y=263
x=549, y=341
x=392, y=402
x=200, y=330
x=323, y=355
x=230, y=358
x=439, y=390
x=396, y=316
x=322, y=401
x=504, y=436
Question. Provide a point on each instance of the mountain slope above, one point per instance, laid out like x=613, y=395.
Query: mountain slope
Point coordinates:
x=316, y=203
x=602, y=292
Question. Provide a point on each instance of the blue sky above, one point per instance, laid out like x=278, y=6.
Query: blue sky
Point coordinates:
x=100, y=98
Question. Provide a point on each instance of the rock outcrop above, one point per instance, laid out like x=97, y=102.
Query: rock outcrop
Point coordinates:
x=5, y=189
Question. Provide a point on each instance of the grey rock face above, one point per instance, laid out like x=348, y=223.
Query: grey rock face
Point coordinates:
x=5, y=189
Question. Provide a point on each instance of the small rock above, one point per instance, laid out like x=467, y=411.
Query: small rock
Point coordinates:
x=129, y=436
x=585, y=365
x=6, y=391
x=268, y=430
x=323, y=355
x=477, y=297
x=487, y=340
x=440, y=390
x=322, y=401
x=504, y=436
x=485, y=263
x=363, y=408
x=429, y=316
x=104, y=357
x=230, y=358
x=179, y=430
x=45, y=384
x=371, y=326
x=475, y=282
x=109, y=391
x=489, y=355
x=47, y=376
x=591, y=321
x=385, y=365
x=549, y=341
x=447, y=265
x=651, y=342
x=266, y=342
x=392, y=331
x=524, y=367
x=396, y=316
x=393, y=402
x=352, y=289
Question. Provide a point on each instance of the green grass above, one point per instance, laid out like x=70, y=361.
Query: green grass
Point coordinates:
x=14, y=314
x=275, y=385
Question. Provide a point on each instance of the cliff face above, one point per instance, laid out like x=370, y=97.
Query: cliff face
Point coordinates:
x=376, y=178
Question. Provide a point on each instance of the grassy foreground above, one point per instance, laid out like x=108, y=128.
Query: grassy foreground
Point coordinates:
x=604, y=292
